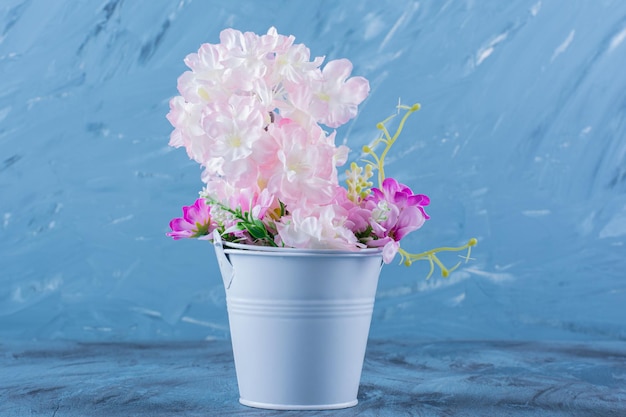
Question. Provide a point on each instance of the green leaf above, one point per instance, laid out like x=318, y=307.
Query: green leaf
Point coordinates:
x=257, y=229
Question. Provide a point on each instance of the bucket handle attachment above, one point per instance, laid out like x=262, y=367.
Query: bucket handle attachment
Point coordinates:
x=226, y=268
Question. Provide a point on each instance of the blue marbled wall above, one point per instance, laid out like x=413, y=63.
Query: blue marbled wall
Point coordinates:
x=521, y=143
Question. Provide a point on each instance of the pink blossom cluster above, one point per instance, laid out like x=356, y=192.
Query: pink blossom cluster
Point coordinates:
x=254, y=111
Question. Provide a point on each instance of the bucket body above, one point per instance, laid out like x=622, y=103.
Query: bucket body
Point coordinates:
x=299, y=323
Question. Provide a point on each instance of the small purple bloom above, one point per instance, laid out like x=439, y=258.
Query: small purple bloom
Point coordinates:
x=195, y=223
x=396, y=212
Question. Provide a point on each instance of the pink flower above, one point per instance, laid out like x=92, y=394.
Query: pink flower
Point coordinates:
x=319, y=228
x=188, y=132
x=396, y=212
x=357, y=217
x=304, y=172
x=236, y=132
x=336, y=96
x=294, y=64
x=258, y=204
x=195, y=223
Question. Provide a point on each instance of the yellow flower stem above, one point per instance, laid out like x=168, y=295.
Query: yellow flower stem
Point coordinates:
x=388, y=140
x=430, y=255
x=381, y=160
x=379, y=163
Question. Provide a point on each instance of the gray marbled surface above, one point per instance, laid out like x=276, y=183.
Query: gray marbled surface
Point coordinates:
x=444, y=378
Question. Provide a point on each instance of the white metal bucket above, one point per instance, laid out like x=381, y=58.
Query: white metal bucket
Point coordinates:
x=299, y=322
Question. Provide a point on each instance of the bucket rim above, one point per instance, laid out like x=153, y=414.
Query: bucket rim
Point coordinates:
x=230, y=247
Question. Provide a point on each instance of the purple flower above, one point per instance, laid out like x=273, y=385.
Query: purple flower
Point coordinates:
x=195, y=223
x=396, y=212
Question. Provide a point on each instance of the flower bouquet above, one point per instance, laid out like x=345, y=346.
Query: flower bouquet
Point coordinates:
x=252, y=112
x=257, y=113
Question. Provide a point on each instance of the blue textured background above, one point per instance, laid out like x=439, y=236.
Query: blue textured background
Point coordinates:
x=521, y=143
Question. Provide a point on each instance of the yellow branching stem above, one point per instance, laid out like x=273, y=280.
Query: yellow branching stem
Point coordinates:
x=388, y=140
x=359, y=188
x=431, y=255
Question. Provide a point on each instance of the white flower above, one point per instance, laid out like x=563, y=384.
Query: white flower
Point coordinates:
x=320, y=228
